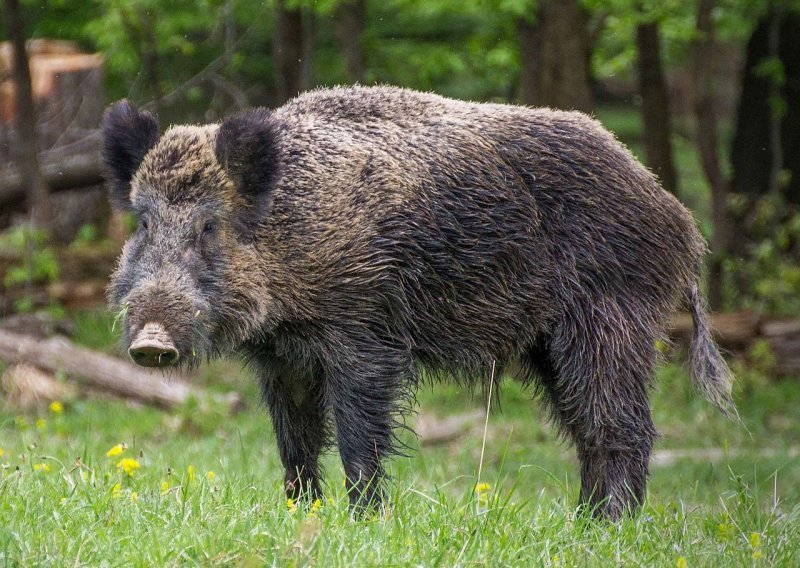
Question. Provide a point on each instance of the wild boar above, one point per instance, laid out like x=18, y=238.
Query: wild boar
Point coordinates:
x=354, y=237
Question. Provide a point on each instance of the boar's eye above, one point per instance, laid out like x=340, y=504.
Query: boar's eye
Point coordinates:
x=209, y=227
x=143, y=223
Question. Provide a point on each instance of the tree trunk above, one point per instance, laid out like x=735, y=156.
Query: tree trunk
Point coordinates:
x=563, y=59
x=753, y=155
x=291, y=52
x=528, y=58
x=349, y=21
x=307, y=63
x=655, y=106
x=150, y=57
x=707, y=141
x=36, y=188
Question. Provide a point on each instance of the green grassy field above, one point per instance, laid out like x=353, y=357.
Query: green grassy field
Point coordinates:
x=205, y=488
x=197, y=486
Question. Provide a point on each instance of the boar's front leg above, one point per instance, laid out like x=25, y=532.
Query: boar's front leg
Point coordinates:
x=296, y=402
x=366, y=383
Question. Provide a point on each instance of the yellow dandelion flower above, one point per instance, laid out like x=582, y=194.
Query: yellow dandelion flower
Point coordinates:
x=115, y=489
x=755, y=540
x=128, y=465
x=314, y=508
x=190, y=473
x=56, y=407
x=291, y=506
x=483, y=487
x=134, y=497
x=755, y=544
x=682, y=562
x=43, y=467
x=210, y=475
x=116, y=450
x=41, y=424
x=164, y=487
x=724, y=531
x=2, y=452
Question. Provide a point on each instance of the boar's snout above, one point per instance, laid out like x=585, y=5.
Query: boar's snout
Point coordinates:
x=153, y=347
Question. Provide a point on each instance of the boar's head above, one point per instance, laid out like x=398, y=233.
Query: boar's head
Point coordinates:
x=189, y=283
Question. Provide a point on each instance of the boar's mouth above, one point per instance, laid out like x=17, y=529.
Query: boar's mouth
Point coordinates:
x=165, y=329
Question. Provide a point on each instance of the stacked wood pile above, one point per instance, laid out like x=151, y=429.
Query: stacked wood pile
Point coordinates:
x=69, y=99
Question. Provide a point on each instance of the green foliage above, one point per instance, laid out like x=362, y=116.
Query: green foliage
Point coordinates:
x=39, y=260
x=766, y=274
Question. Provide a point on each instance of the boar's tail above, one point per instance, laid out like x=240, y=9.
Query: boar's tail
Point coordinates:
x=710, y=373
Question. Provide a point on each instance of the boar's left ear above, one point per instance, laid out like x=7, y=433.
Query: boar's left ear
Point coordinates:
x=247, y=147
x=128, y=134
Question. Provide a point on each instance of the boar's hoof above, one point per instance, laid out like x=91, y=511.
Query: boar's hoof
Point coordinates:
x=153, y=347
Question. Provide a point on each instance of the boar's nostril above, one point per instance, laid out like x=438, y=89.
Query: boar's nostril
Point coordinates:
x=153, y=347
x=154, y=356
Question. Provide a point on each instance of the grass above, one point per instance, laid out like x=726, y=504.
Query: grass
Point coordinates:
x=64, y=501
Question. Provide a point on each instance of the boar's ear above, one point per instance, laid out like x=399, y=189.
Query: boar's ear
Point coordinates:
x=128, y=135
x=247, y=147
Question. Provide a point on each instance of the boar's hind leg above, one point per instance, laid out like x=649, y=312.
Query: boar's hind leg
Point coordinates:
x=596, y=372
x=296, y=402
x=366, y=389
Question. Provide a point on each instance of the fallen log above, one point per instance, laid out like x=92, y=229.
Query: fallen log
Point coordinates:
x=104, y=372
x=64, y=173
x=27, y=387
x=737, y=332
x=731, y=330
x=432, y=431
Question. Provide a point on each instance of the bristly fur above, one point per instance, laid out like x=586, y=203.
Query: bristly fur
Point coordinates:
x=128, y=135
x=355, y=237
x=247, y=146
x=711, y=375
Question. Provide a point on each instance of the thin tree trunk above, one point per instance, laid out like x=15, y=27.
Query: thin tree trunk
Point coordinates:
x=563, y=63
x=151, y=58
x=349, y=21
x=528, y=56
x=776, y=114
x=707, y=141
x=307, y=62
x=287, y=51
x=655, y=106
x=27, y=154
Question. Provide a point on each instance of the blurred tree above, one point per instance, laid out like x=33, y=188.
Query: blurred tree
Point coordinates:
x=656, y=115
x=139, y=23
x=349, y=22
x=27, y=150
x=293, y=46
x=708, y=146
x=529, y=68
x=556, y=56
x=766, y=146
